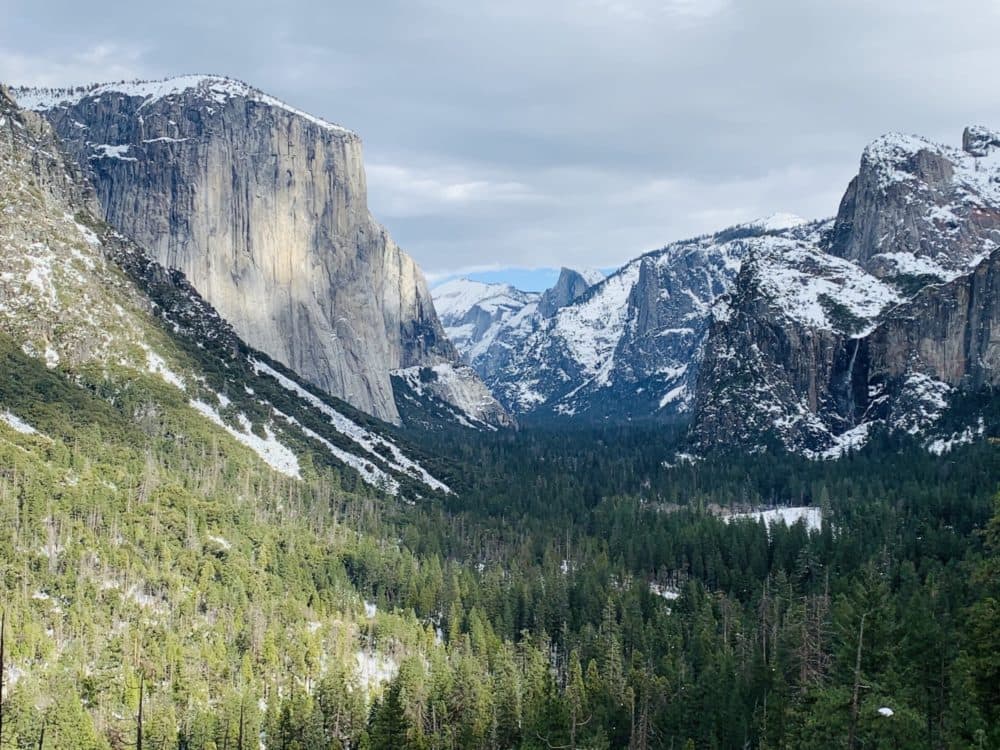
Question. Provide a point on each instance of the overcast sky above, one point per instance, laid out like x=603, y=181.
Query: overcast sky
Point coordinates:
x=537, y=133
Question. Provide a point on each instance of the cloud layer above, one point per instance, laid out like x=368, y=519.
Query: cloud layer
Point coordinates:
x=570, y=132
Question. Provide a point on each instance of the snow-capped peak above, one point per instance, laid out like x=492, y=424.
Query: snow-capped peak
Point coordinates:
x=778, y=221
x=453, y=299
x=214, y=88
x=591, y=275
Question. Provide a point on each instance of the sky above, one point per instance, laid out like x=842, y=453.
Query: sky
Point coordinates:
x=530, y=135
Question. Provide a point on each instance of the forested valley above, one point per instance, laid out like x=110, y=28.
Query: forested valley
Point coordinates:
x=580, y=589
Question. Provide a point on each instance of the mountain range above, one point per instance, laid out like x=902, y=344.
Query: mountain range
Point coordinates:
x=808, y=333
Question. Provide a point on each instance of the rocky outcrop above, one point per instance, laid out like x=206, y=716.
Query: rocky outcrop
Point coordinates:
x=570, y=285
x=264, y=208
x=950, y=332
x=453, y=393
x=918, y=210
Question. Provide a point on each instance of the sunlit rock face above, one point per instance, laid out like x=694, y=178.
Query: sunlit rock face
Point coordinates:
x=264, y=208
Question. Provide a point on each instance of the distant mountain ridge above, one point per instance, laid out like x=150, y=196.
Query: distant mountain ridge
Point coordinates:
x=812, y=334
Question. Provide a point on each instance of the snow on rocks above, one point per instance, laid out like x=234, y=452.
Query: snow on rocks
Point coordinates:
x=940, y=446
x=366, y=440
x=818, y=289
x=457, y=386
x=217, y=89
x=667, y=592
x=105, y=151
x=591, y=328
x=275, y=454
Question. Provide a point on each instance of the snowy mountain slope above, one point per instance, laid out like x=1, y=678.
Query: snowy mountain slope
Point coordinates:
x=811, y=333
x=94, y=308
x=625, y=347
x=473, y=312
x=264, y=209
x=880, y=323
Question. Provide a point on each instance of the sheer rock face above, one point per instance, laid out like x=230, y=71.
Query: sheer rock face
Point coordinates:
x=570, y=285
x=264, y=209
x=950, y=332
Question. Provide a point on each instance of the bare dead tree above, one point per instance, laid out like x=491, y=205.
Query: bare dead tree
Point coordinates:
x=239, y=739
x=3, y=666
x=138, y=722
x=852, y=734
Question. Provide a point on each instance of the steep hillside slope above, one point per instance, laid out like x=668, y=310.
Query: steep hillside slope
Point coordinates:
x=264, y=209
x=89, y=303
x=169, y=498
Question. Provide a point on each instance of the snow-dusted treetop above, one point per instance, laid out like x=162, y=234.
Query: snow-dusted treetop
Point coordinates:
x=218, y=89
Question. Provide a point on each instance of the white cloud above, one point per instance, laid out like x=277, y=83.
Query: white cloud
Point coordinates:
x=105, y=61
x=404, y=191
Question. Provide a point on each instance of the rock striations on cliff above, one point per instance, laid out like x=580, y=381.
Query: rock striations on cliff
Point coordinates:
x=264, y=208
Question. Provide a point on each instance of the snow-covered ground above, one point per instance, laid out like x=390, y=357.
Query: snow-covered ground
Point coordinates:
x=811, y=516
x=18, y=424
x=274, y=453
x=361, y=436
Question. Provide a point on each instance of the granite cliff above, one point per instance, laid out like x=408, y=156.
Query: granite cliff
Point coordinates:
x=264, y=208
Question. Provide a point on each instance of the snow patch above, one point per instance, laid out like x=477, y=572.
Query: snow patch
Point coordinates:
x=274, y=454
x=221, y=541
x=17, y=424
x=157, y=366
x=811, y=516
x=365, y=439
x=940, y=446
x=106, y=151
